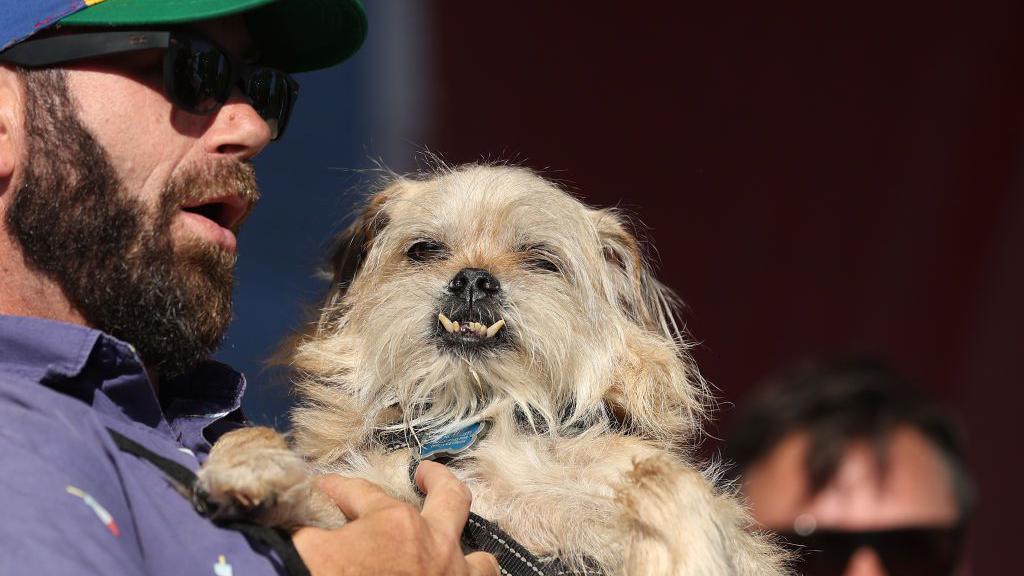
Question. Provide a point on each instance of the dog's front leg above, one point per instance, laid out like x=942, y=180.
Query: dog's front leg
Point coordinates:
x=676, y=523
x=251, y=474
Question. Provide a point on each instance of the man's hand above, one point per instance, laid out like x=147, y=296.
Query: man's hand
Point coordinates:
x=387, y=537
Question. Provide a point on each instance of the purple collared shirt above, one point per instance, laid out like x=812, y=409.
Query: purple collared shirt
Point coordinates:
x=71, y=502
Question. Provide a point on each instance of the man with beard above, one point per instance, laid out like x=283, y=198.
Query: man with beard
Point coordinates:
x=127, y=128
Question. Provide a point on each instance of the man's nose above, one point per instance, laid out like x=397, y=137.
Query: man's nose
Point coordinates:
x=865, y=562
x=237, y=130
x=473, y=284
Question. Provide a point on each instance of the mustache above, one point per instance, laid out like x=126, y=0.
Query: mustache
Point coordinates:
x=208, y=181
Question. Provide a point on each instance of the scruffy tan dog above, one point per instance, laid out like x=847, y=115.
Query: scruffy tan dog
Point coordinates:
x=485, y=294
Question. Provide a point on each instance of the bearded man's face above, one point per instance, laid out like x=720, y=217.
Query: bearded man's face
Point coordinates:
x=111, y=253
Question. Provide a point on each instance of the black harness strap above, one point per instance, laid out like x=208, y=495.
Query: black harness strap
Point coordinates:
x=184, y=480
x=481, y=535
x=513, y=559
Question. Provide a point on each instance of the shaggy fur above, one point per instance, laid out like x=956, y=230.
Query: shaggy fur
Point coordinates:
x=594, y=469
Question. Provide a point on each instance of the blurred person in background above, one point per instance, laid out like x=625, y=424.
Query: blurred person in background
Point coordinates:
x=856, y=470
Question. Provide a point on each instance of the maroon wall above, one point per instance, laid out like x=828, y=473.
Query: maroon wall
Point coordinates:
x=817, y=181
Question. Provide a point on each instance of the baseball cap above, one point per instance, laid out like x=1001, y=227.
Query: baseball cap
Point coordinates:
x=293, y=35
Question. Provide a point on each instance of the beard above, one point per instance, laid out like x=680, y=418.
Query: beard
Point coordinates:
x=114, y=258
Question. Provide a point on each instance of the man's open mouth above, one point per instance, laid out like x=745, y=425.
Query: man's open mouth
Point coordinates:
x=217, y=219
x=227, y=211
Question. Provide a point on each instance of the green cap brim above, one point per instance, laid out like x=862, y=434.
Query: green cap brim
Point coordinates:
x=292, y=35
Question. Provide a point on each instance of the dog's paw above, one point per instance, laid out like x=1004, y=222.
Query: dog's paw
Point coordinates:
x=251, y=489
x=252, y=475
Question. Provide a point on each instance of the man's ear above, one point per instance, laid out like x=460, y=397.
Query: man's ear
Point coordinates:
x=11, y=109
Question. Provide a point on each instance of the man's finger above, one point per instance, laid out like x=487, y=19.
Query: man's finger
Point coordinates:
x=355, y=497
x=482, y=564
x=446, y=506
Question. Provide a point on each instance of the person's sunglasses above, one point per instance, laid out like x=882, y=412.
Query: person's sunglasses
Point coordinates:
x=906, y=552
x=198, y=75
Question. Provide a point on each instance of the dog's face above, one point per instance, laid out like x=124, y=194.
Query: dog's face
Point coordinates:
x=486, y=285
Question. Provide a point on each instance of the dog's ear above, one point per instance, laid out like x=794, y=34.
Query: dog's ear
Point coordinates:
x=657, y=391
x=352, y=245
x=632, y=286
x=346, y=260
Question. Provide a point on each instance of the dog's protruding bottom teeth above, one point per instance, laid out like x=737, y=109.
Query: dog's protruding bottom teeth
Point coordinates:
x=494, y=328
x=476, y=328
x=446, y=322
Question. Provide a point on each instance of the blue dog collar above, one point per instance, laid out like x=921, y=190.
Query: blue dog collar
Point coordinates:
x=453, y=444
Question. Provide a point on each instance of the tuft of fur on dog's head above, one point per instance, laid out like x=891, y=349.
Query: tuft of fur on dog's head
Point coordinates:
x=580, y=330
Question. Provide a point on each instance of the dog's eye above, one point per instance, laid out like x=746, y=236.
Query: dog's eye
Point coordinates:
x=427, y=250
x=540, y=259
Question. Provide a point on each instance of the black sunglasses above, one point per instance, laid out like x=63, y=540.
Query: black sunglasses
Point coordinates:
x=198, y=75
x=905, y=552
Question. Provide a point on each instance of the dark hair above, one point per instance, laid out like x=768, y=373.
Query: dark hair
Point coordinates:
x=841, y=402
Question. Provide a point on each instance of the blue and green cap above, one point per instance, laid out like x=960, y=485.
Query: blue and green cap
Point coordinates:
x=292, y=35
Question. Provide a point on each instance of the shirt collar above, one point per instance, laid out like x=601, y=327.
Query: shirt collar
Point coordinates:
x=43, y=349
x=78, y=361
x=210, y=390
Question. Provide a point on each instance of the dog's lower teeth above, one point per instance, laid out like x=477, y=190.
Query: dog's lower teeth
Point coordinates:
x=476, y=328
x=446, y=322
x=494, y=328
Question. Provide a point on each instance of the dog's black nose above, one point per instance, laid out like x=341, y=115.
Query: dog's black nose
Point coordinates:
x=473, y=284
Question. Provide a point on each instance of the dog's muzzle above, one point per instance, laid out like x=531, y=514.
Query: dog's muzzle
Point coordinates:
x=470, y=310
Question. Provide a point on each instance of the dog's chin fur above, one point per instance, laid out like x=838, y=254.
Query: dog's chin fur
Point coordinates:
x=590, y=394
